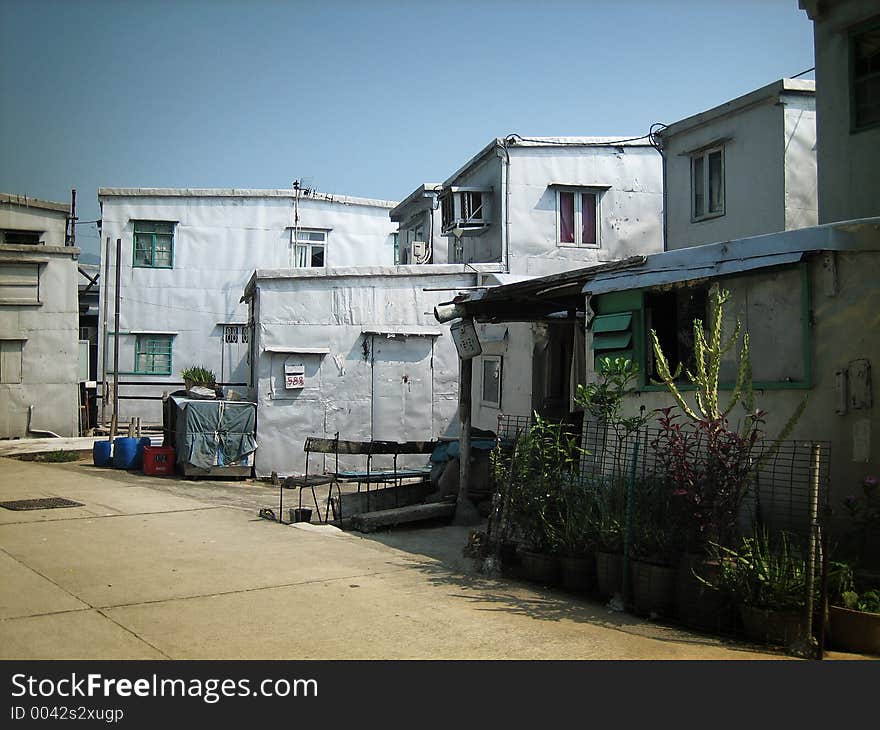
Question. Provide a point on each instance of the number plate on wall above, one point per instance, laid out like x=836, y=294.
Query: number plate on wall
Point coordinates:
x=294, y=376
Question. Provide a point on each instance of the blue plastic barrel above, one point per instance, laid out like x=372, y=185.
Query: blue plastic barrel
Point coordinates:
x=125, y=452
x=101, y=452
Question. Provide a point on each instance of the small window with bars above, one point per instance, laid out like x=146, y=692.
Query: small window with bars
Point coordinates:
x=235, y=333
x=153, y=355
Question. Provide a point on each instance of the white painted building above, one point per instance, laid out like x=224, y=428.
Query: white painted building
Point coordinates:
x=744, y=168
x=186, y=256
x=39, y=317
x=419, y=238
x=539, y=206
x=847, y=48
x=550, y=204
x=353, y=351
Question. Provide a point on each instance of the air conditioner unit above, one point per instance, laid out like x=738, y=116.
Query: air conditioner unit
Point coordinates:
x=419, y=252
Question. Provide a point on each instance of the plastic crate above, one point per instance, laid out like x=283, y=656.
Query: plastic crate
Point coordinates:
x=158, y=460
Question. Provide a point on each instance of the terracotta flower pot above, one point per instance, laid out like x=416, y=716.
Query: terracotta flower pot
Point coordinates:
x=579, y=573
x=773, y=626
x=855, y=631
x=541, y=567
x=653, y=588
x=696, y=604
x=609, y=573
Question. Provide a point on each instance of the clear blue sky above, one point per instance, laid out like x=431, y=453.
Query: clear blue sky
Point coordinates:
x=359, y=98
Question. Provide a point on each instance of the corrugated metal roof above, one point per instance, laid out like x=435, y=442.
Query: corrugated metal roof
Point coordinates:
x=733, y=257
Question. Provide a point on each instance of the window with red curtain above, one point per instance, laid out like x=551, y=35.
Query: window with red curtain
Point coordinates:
x=566, y=217
x=588, y=217
x=577, y=218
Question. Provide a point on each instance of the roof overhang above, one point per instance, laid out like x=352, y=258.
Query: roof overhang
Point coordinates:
x=734, y=257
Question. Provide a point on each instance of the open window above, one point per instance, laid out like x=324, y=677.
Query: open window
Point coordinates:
x=671, y=315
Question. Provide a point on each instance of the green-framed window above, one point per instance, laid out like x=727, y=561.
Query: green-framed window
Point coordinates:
x=153, y=355
x=773, y=304
x=154, y=244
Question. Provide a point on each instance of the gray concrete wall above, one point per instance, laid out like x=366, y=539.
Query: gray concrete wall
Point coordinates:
x=844, y=329
x=848, y=161
x=49, y=334
x=332, y=312
x=218, y=243
x=754, y=177
x=52, y=224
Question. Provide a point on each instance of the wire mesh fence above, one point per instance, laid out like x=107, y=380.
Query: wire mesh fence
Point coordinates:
x=714, y=529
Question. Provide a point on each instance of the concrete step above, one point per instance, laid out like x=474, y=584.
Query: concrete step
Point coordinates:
x=371, y=521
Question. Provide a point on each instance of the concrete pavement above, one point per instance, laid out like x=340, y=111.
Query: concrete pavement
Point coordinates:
x=160, y=568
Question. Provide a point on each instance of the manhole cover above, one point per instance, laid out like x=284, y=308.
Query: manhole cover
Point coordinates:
x=45, y=503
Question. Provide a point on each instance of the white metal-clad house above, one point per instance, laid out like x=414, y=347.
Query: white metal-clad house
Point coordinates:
x=354, y=351
x=847, y=44
x=38, y=319
x=186, y=256
x=744, y=168
x=536, y=207
x=419, y=238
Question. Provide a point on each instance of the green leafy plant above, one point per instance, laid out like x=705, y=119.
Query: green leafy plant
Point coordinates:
x=536, y=475
x=762, y=573
x=199, y=375
x=844, y=592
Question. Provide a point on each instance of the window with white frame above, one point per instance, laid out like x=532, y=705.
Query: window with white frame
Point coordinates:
x=576, y=217
x=309, y=247
x=490, y=383
x=707, y=184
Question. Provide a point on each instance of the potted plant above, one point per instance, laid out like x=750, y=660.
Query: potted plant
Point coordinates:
x=544, y=459
x=198, y=376
x=610, y=520
x=654, y=552
x=854, y=616
x=577, y=536
x=767, y=580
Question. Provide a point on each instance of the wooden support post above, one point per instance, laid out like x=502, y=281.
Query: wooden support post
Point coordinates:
x=465, y=511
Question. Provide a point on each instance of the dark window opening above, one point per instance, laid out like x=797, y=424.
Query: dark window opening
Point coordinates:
x=21, y=238
x=865, y=50
x=671, y=315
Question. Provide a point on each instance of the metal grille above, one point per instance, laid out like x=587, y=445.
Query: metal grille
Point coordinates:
x=44, y=503
x=785, y=495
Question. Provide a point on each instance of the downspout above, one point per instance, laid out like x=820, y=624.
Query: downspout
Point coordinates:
x=38, y=431
x=657, y=143
x=505, y=213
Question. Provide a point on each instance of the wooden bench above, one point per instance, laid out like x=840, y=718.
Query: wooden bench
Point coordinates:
x=337, y=446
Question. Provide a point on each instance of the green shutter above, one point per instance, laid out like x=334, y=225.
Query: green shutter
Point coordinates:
x=618, y=329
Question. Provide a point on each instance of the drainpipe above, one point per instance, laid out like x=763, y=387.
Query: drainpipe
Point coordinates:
x=105, y=391
x=505, y=213
x=37, y=431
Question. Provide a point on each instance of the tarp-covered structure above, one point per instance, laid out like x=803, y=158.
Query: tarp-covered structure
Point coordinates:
x=212, y=433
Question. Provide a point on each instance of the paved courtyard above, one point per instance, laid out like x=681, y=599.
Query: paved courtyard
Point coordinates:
x=170, y=569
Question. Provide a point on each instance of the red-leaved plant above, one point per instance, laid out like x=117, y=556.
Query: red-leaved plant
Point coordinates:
x=707, y=469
